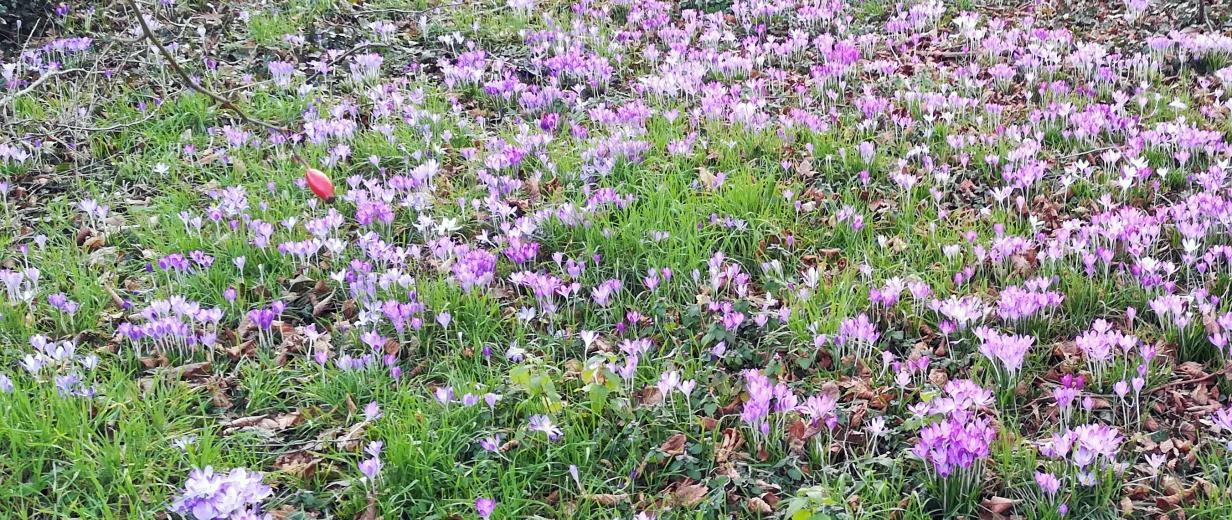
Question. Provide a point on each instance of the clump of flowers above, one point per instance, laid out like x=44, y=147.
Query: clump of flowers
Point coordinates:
x=1066, y=394
x=177, y=264
x=954, y=447
x=484, y=507
x=60, y=362
x=1049, y=485
x=766, y=397
x=281, y=72
x=473, y=268
x=20, y=285
x=172, y=325
x=371, y=467
x=1099, y=346
x=68, y=308
x=234, y=495
x=856, y=336
x=1084, y=455
x=1033, y=299
x=262, y=318
x=1006, y=351
x=821, y=414
x=959, y=313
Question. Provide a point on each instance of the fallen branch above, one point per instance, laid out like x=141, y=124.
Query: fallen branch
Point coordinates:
x=411, y=12
x=117, y=126
x=42, y=79
x=1080, y=153
x=179, y=71
x=338, y=60
x=1224, y=371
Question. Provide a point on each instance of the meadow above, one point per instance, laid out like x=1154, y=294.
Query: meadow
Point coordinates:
x=616, y=259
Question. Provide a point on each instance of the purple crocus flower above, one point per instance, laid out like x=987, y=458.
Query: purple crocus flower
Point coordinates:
x=208, y=495
x=484, y=507
x=370, y=468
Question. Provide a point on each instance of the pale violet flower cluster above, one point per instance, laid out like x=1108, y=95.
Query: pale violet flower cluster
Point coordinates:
x=60, y=362
x=235, y=495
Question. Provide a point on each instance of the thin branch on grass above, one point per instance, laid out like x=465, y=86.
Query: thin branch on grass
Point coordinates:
x=1080, y=153
x=117, y=126
x=179, y=71
x=1222, y=372
x=42, y=79
x=411, y=12
x=338, y=60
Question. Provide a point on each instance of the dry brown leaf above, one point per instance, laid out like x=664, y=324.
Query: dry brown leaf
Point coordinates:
x=758, y=506
x=857, y=416
x=689, y=495
x=392, y=347
x=674, y=445
x=732, y=441
x=651, y=396
x=82, y=234
x=285, y=512
x=219, y=397
x=1177, y=494
x=728, y=470
x=350, y=309
x=998, y=505
x=1191, y=370
x=245, y=349
x=270, y=422
x=731, y=408
x=938, y=377
x=301, y=464
x=191, y=371
x=95, y=242
x=350, y=441
x=292, y=341
x=1209, y=324
x=706, y=178
x=771, y=499
x=607, y=499
x=708, y=423
x=322, y=306
x=804, y=169
x=369, y=512
x=158, y=359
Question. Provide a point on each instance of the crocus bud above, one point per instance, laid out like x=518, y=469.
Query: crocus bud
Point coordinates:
x=319, y=183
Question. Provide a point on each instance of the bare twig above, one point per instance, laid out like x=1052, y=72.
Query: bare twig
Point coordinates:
x=1093, y=151
x=338, y=60
x=411, y=12
x=1224, y=371
x=116, y=126
x=179, y=71
x=42, y=79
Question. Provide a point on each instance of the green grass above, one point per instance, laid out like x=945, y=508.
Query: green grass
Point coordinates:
x=126, y=451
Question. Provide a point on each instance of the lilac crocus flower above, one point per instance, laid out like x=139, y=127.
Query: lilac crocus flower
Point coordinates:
x=1048, y=483
x=370, y=468
x=542, y=423
x=208, y=495
x=484, y=507
x=491, y=444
